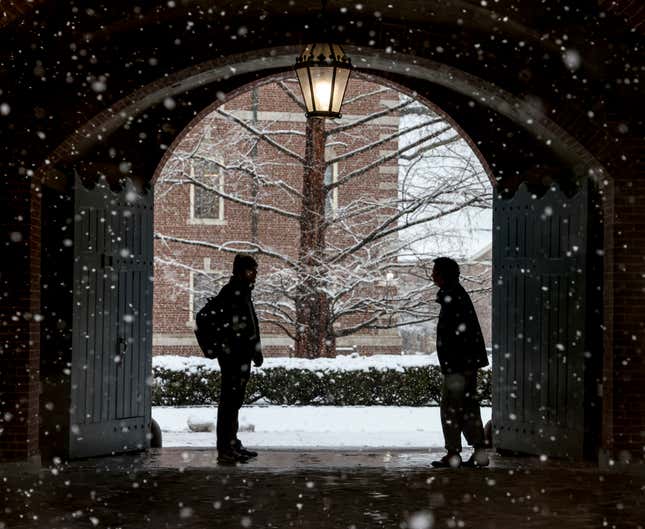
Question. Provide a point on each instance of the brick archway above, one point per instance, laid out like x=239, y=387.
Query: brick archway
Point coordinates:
x=83, y=143
x=589, y=116
x=408, y=73
x=567, y=152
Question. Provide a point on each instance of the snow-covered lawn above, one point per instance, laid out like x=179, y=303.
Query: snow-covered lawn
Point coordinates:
x=311, y=426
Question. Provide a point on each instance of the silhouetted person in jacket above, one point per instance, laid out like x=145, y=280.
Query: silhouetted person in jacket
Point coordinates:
x=241, y=346
x=461, y=351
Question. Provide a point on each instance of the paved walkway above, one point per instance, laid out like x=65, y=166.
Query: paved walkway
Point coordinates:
x=175, y=488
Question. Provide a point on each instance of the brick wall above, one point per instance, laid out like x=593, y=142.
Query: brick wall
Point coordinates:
x=624, y=305
x=19, y=319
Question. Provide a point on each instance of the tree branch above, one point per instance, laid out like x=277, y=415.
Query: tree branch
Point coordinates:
x=396, y=154
x=291, y=95
x=376, y=144
x=261, y=135
x=246, y=203
x=367, y=119
x=229, y=247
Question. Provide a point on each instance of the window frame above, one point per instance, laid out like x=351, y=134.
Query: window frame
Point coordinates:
x=191, y=291
x=210, y=221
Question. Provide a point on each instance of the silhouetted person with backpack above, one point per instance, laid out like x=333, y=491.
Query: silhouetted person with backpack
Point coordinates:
x=228, y=329
x=461, y=351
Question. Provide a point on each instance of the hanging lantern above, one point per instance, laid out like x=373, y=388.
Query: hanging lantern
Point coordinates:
x=323, y=72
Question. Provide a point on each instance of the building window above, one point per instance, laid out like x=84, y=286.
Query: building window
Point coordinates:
x=206, y=206
x=204, y=285
x=331, y=200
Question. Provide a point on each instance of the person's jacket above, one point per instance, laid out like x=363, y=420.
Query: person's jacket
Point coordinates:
x=460, y=343
x=242, y=337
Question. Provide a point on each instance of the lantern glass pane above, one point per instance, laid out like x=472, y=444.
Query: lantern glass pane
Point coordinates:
x=322, y=78
x=303, y=79
x=340, y=85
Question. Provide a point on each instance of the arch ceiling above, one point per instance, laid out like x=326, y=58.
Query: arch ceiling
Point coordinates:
x=534, y=75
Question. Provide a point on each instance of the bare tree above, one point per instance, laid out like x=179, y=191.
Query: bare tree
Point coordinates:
x=359, y=228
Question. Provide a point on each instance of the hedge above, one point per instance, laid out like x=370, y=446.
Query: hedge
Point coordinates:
x=411, y=386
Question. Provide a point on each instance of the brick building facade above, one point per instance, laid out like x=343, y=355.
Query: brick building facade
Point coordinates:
x=225, y=155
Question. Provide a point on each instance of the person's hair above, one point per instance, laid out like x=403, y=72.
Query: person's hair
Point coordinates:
x=243, y=262
x=447, y=267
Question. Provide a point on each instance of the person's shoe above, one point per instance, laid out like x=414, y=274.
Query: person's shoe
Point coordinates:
x=243, y=450
x=477, y=460
x=247, y=453
x=450, y=460
x=231, y=457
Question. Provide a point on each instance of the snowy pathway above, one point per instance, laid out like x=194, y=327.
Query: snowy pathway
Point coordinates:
x=311, y=426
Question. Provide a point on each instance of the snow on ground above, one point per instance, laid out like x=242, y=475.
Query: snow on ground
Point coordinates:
x=309, y=427
x=352, y=362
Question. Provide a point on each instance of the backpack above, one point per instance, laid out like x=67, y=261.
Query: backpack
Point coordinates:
x=210, y=327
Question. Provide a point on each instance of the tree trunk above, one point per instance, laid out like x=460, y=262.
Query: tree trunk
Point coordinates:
x=314, y=337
